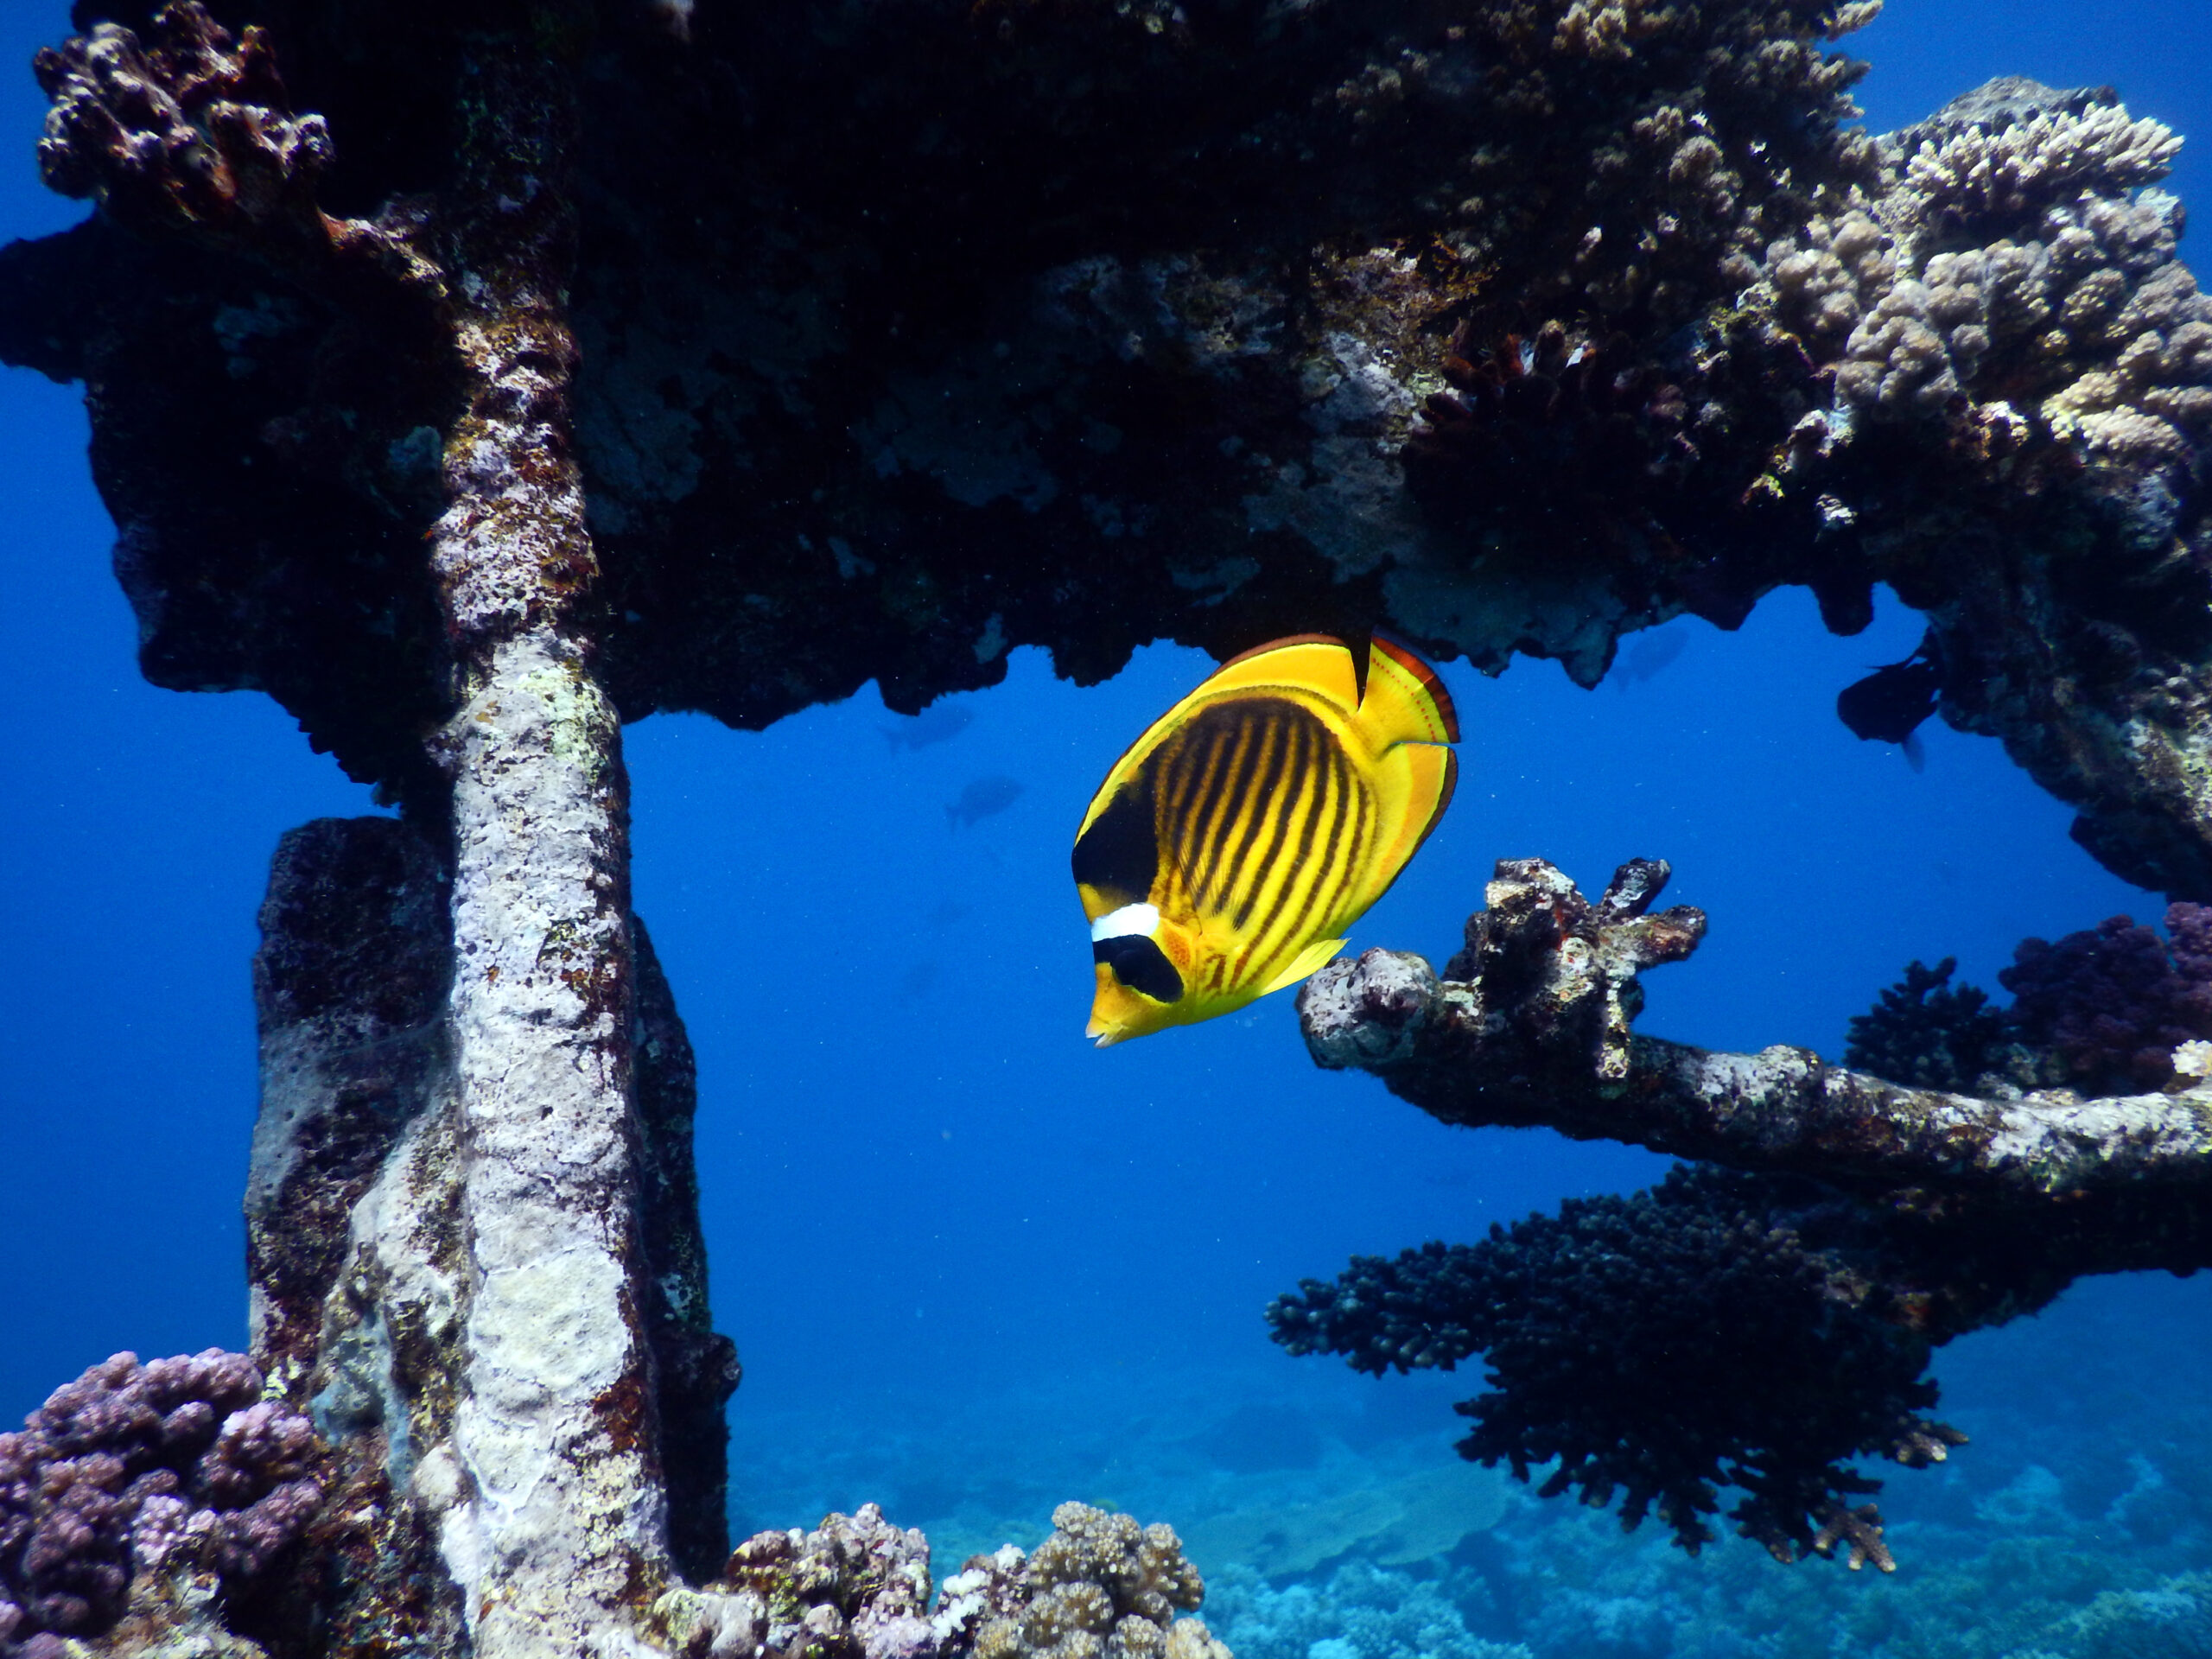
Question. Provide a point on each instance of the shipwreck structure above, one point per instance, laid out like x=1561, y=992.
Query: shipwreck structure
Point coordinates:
x=474, y=379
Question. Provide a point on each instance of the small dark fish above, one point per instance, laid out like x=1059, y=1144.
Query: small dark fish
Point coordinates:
x=1649, y=655
x=939, y=723
x=985, y=797
x=1889, y=704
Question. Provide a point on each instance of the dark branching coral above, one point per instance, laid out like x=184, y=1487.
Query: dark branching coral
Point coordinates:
x=2114, y=1002
x=1755, y=1329
x=1927, y=1033
x=137, y=1468
x=1714, y=1333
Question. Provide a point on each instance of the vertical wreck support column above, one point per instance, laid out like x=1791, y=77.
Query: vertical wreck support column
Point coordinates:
x=557, y=1532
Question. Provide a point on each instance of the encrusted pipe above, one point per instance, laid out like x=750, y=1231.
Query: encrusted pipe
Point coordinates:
x=557, y=1532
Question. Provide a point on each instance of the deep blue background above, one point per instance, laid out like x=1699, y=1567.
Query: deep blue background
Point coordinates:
x=916, y=1171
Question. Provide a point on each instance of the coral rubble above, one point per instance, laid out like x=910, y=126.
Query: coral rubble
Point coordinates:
x=1760, y=1326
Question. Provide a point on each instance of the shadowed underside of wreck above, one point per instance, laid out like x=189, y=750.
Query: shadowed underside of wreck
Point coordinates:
x=474, y=380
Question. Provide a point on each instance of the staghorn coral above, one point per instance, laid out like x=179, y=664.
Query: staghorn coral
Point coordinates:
x=2114, y=1003
x=1927, y=1033
x=1713, y=1332
x=132, y=1469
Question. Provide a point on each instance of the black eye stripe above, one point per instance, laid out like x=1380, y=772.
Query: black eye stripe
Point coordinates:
x=1141, y=965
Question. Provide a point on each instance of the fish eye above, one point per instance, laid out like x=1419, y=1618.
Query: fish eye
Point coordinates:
x=1141, y=965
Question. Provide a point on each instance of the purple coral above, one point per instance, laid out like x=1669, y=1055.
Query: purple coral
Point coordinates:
x=130, y=1463
x=2114, y=1003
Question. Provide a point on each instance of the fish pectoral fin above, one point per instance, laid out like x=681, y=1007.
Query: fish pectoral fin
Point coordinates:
x=1310, y=957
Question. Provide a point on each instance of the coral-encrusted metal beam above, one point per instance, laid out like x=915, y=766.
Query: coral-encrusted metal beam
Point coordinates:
x=1529, y=1025
x=558, y=1533
x=529, y=1438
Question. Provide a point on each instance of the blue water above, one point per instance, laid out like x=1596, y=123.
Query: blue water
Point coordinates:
x=975, y=1267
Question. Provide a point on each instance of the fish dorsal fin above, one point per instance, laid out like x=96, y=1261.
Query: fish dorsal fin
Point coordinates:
x=1318, y=663
x=1312, y=958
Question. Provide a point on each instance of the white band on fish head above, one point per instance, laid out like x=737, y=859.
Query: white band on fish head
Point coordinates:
x=1129, y=920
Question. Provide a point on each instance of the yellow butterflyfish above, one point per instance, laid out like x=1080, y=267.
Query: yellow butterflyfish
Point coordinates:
x=1253, y=823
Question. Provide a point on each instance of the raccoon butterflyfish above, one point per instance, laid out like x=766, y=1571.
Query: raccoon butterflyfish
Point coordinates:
x=1230, y=847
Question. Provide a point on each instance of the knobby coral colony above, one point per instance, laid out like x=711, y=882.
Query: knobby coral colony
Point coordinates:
x=2105, y=1010
x=1101, y=1586
x=136, y=1469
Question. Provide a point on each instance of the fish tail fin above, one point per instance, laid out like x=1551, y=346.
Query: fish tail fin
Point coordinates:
x=1405, y=702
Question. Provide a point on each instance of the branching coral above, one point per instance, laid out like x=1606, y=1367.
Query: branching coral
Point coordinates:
x=1926, y=1033
x=131, y=1468
x=1713, y=1332
x=1758, y=1328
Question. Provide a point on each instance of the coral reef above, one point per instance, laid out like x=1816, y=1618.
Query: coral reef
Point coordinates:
x=1618, y=1337
x=1740, y=1347
x=2115, y=1003
x=1360, y=1611
x=1513, y=324
x=856, y=1587
x=1515, y=327
x=1926, y=1033
x=1530, y=1026
x=1099, y=1585
x=135, y=1471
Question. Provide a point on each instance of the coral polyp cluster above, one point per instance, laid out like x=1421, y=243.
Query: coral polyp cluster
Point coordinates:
x=137, y=1469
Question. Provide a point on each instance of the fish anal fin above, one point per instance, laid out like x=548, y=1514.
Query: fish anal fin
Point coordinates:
x=1312, y=956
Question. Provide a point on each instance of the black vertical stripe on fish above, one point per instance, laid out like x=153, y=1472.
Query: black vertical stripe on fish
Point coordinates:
x=1228, y=796
x=1329, y=873
x=1240, y=871
x=1198, y=763
x=1308, y=885
x=1275, y=877
x=1272, y=816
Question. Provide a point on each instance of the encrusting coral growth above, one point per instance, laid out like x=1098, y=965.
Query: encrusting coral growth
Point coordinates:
x=136, y=1483
x=1755, y=1326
